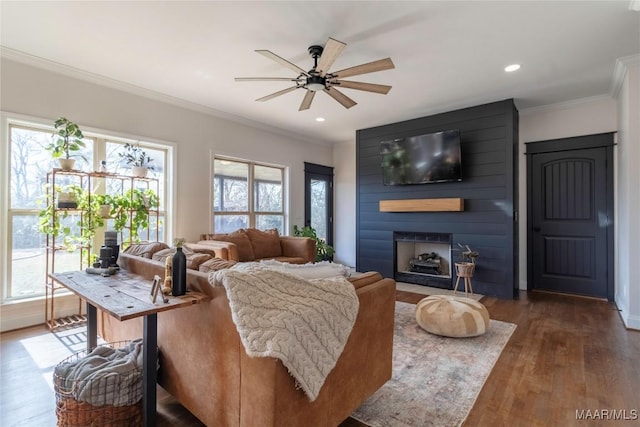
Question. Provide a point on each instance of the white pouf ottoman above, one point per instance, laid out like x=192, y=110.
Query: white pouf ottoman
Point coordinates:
x=452, y=316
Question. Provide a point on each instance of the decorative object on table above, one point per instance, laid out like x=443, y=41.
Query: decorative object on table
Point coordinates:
x=466, y=268
x=324, y=252
x=68, y=139
x=447, y=373
x=452, y=316
x=179, y=269
x=168, y=275
x=137, y=158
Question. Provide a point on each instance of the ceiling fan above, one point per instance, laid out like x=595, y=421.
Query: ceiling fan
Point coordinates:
x=320, y=79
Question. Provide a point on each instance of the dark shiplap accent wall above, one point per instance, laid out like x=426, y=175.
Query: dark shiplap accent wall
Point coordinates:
x=489, y=143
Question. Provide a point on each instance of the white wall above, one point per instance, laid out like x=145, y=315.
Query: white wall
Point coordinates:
x=580, y=117
x=36, y=92
x=628, y=197
x=344, y=160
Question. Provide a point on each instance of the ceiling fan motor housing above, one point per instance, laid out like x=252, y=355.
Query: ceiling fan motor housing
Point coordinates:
x=316, y=83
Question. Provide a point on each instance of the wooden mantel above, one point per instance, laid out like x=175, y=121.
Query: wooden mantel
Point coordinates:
x=422, y=205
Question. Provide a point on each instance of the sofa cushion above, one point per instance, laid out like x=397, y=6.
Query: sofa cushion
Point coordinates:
x=240, y=238
x=215, y=264
x=194, y=259
x=145, y=249
x=265, y=244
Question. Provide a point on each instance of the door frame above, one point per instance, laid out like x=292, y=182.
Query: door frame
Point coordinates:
x=314, y=171
x=576, y=143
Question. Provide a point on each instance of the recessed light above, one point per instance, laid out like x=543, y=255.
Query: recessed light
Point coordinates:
x=319, y=119
x=511, y=68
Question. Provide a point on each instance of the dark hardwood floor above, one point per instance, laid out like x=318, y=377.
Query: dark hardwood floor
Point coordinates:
x=567, y=354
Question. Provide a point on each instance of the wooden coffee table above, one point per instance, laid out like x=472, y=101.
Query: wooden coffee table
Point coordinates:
x=127, y=296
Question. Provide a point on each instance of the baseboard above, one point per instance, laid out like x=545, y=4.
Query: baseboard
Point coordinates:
x=630, y=321
x=22, y=314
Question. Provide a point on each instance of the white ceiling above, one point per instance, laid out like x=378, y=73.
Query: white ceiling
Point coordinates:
x=448, y=55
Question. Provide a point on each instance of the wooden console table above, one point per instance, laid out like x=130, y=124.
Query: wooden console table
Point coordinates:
x=126, y=296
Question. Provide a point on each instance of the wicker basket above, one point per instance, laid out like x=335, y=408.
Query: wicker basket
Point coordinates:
x=465, y=269
x=74, y=413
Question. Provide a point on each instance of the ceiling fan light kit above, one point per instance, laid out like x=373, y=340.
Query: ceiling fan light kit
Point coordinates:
x=319, y=79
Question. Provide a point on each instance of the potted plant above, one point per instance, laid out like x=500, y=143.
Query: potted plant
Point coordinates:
x=324, y=252
x=68, y=139
x=468, y=264
x=137, y=158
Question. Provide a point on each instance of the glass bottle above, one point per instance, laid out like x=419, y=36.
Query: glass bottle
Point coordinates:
x=179, y=273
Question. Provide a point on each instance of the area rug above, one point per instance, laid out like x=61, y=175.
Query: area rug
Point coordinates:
x=435, y=380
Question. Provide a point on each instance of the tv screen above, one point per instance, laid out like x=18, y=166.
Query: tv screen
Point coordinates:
x=422, y=159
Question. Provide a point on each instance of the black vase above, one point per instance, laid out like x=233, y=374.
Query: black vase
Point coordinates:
x=179, y=273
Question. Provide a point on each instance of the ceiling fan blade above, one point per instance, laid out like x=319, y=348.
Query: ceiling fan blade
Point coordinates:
x=340, y=97
x=306, y=101
x=330, y=53
x=280, y=92
x=282, y=61
x=266, y=79
x=369, y=87
x=370, y=67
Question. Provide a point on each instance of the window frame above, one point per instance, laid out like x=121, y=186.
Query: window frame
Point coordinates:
x=251, y=213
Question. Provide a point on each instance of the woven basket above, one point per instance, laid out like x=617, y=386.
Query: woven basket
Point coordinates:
x=74, y=413
x=465, y=269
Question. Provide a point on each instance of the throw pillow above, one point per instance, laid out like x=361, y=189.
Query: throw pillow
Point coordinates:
x=265, y=244
x=194, y=259
x=241, y=240
x=145, y=249
x=318, y=270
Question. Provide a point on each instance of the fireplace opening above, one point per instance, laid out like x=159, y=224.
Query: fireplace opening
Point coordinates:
x=423, y=258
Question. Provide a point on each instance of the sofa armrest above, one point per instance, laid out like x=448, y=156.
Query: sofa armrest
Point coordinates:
x=302, y=247
x=223, y=250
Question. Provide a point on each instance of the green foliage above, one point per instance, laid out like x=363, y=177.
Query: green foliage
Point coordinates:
x=68, y=139
x=324, y=252
x=136, y=156
x=138, y=203
x=467, y=254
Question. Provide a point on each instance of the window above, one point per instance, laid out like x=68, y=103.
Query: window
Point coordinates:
x=24, y=181
x=247, y=194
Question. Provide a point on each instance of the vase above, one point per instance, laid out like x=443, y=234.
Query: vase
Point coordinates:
x=66, y=164
x=139, y=171
x=179, y=273
x=104, y=211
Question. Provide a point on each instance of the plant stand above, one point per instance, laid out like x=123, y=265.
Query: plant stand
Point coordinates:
x=464, y=270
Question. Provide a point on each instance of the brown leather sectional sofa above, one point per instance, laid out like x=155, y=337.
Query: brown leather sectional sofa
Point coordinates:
x=204, y=365
x=250, y=244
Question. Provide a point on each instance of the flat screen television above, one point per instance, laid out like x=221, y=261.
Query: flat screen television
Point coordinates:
x=422, y=159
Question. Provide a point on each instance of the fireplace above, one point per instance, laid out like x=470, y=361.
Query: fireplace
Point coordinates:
x=423, y=258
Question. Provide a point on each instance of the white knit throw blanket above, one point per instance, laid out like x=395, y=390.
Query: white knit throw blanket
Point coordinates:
x=304, y=323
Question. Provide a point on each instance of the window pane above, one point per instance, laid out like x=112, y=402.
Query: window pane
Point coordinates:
x=229, y=223
x=230, y=189
x=319, y=193
x=30, y=162
x=28, y=257
x=268, y=189
x=266, y=222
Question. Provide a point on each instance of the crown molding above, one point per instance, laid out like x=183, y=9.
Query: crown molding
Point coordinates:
x=564, y=104
x=56, y=67
x=620, y=71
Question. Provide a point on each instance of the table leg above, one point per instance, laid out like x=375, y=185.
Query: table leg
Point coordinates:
x=92, y=327
x=150, y=373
